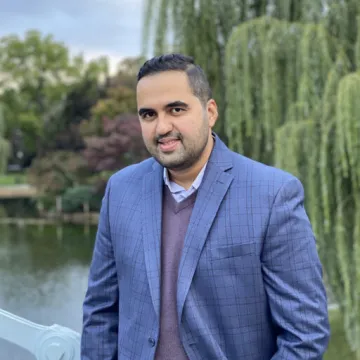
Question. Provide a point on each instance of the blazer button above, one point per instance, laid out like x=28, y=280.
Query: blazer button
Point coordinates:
x=152, y=342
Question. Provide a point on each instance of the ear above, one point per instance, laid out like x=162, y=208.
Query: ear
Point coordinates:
x=212, y=112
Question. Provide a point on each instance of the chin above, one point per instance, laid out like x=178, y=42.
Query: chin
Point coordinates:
x=177, y=166
x=172, y=165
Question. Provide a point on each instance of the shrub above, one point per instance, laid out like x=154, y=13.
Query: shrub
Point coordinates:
x=74, y=198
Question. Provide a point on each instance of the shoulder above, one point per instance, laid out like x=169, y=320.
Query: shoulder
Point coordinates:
x=250, y=172
x=264, y=178
x=259, y=170
x=132, y=174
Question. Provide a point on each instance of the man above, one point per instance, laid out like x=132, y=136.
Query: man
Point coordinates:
x=200, y=253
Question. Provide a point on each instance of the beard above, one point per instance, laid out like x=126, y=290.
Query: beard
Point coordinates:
x=186, y=154
x=184, y=157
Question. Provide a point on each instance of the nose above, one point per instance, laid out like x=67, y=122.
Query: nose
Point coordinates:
x=163, y=125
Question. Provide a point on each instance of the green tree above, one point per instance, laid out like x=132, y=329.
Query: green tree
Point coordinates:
x=291, y=95
x=202, y=29
x=4, y=144
x=324, y=152
x=38, y=74
x=82, y=96
x=37, y=70
x=118, y=96
x=119, y=100
x=286, y=71
x=127, y=72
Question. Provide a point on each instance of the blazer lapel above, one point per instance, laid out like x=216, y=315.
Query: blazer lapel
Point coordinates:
x=210, y=195
x=151, y=228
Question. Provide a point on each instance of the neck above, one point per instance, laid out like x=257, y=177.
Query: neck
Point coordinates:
x=186, y=177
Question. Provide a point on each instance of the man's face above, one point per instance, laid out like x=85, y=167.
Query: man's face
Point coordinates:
x=175, y=125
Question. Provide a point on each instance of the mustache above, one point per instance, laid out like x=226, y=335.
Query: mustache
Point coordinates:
x=176, y=136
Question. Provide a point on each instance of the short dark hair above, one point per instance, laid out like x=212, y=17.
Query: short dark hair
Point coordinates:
x=178, y=62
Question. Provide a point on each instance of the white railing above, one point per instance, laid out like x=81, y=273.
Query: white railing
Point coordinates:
x=44, y=342
x=53, y=342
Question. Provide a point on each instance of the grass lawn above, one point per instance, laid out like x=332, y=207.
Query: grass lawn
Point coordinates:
x=12, y=179
x=338, y=348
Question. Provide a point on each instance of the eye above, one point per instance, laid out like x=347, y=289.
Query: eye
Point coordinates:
x=148, y=114
x=177, y=110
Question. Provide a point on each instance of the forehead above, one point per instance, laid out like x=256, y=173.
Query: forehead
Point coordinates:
x=163, y=88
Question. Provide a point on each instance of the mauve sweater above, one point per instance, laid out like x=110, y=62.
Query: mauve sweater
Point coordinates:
x=175, y=220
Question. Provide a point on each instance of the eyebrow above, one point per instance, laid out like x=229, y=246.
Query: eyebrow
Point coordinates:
x=173, y=104
x=177, y=104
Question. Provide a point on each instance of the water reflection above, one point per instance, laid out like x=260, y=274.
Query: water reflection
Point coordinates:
x=44, y=275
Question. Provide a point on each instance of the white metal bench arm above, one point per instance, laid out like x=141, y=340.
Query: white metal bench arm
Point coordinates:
x=44, y=342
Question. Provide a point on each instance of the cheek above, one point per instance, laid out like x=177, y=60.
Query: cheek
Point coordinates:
x=187, y=125
x=147, y=131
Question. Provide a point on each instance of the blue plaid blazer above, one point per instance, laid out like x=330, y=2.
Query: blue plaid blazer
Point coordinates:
x=250, y=281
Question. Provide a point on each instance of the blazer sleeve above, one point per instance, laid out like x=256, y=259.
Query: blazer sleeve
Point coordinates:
x=293, y=278
x=99, y=336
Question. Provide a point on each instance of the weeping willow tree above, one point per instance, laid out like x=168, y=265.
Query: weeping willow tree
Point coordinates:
x=202, y=28
x=4, y=144
x=275, y=73
x=330, y=167
x=292, y=94
x=284, y=75
x=322, y=146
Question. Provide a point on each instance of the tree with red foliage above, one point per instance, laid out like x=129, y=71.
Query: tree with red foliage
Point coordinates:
x=122, y=144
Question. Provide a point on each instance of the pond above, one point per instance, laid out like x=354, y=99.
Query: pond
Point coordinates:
x=43, y=278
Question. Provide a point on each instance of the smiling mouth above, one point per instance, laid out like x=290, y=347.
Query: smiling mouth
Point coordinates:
x=168, y=145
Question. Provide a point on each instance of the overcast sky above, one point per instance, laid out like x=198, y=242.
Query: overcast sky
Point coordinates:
x=94, y=27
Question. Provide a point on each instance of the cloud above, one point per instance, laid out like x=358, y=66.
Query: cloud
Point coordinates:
x=94, y=27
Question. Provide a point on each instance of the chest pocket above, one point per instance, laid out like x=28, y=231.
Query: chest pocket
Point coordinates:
x=231, y=251
x=236, y=259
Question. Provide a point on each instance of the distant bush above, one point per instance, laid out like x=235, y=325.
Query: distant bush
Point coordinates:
x=57, y=171
x=74, y=198
x=3, y=212
x=121, y=145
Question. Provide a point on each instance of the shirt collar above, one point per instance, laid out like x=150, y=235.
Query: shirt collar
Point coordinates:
x=174, y=188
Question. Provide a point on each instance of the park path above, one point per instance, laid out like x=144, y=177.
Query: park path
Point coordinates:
x=20, y=191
